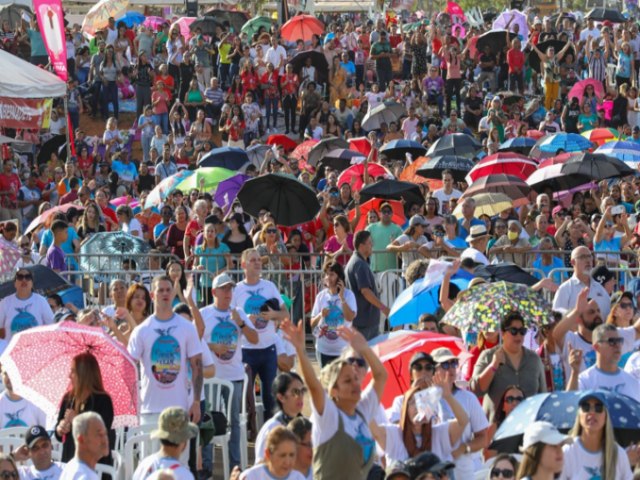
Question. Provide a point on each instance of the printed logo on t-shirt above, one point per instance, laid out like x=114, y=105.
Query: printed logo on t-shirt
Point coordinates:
x=590, y=358
x=252, y=307
x=594, y=472
x=14, y=419
x=225, y=333
x=165, y=356
x=333, y=320
x=23, y=320
x=366, y=443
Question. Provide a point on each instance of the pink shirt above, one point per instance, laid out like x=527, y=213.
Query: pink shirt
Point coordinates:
x=333, y=245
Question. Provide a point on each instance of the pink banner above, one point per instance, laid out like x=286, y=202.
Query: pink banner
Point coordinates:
x=50, y=21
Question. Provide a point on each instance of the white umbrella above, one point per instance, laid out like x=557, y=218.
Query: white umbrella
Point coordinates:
x=385, y=113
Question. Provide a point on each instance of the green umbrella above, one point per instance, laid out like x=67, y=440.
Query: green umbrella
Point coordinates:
x=254, y=24
x=211, y=176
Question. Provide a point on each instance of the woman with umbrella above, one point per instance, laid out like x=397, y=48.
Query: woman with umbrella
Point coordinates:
x=549, y=61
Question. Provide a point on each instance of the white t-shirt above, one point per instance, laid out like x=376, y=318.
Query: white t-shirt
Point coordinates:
x=594, y=33
x=133, y=226
x=276, y=56
x=250, y=298
x=17, y=315
x=619, y=382
x=155, y=462
x=19, y=413
x=445, y=198
x=261, y=439
x=408, y=257
x=374, y=99
x=207, y=361
x=219, y=328
x=284, y=346
x=327, y=340
x=164, y=349
x=77, y=470
x=51, y=473
x=325, y=426
x=396, y=451
x=566, y=296
x=579, y=464
x=260, y=472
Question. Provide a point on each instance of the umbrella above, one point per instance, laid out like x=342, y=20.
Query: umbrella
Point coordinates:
x=513, y=17
x=509, y=98
x=455, y=144
x=628, y=152
x=409, y=174
x=487, y=204
x=255, y=24
x=301, y=27
x=44, y=216
x=483, y=307
x=397, y=149
x=166, y=186
x=602, y=14
x=45, y=282
x=397, y=215
x=125, y=200
x=393, y=190
x=283, y=141
x=9, y=256
x=553, y=177
x=534, y=59
x=131, y=19
x=459, y=167
x=207, y=25
x=568, y=142
x=560, y=409
x=496, y=39
x=235, y=18
x=509, y=272
x=106, y=251
x=205, y=179
x=318, y=60
x=257, y=153
x=395, y=350
x=231, y=158
x=386, y=112
x=513, y=187
x=38, y=360
x=535, y=134
x=600, y=136
x=301, y=152
x=183, y=24
x=227, y=191
x=354, y=175
x=54, y=145
x=12, y=13
x=579, y=88
x=341, y=159
x=596, y=166
x=154, y=23
x=290, y=201
x=522, y=145
x=507, y=163
x=360, y=144
x=98, y=17
x=324, y=146
x=556, y=160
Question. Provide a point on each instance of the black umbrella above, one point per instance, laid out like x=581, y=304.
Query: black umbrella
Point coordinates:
x=534, y=59
x=509, y=272
x=554, y=178
x=596, y=166
x=397, y=149
x=521, y=145
x=393, y=190
x=602, y=14
x=45, y=282
x=55, y=145
x=236, y=19
x=459, y=166
x=207, y=25
x=496, y=39
x=318, y=60
x=290, y=201
x=455, y=144
x=232, y=158
x=340, y=158
x=323, y=147
x=12, y=13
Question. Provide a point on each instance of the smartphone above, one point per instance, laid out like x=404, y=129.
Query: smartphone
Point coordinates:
x=618, y=210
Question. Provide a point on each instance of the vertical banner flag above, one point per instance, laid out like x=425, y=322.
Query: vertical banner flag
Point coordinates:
x=50, y=21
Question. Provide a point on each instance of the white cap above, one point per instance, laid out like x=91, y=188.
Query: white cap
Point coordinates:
x=543, y=432
x=475, y=255
x=222, y=280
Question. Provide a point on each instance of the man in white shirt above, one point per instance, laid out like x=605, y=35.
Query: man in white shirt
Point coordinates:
x=38, y=449
x=111, y=31
x=16, y=411
x=174, y=432
x=277, y=55
x=478, y=240
x=606, y=374
x=446, y=193
x=589, y=31
x=92, y=443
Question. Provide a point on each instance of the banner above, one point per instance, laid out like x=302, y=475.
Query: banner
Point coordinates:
x=50, y=20
x=24, y=113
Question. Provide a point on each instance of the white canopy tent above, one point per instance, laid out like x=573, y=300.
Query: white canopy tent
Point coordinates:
x=20, y=79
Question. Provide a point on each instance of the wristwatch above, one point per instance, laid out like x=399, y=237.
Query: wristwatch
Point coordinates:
x=242, y=325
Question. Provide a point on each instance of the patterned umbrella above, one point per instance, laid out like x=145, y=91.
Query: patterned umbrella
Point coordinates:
x=600, y=136
x=502, y=162
x=568, y=142
x=38, y=360
x=9, y=256
x=483, y=307
x=205, y=179
x=98, y=17
x=106, y=251
x=513, y=187
x=166, y=186
x=301, y=152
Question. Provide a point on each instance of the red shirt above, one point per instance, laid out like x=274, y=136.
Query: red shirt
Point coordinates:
x=249, y=81
x=192, y=231
x=9, y=183
x=70, y=197
x=515, y=59
x=271, y=81
x=289, y=83
x=108, y=212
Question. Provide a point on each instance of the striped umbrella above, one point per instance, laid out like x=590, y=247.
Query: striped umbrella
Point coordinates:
x=507, y=163
x=513, y=187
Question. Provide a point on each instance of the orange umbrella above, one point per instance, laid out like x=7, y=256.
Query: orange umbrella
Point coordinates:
x=397, y=216
x=301, y=27
x=409, y=174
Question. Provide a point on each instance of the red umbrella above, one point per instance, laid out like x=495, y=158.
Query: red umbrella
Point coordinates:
x=562, y=158
x=360, y=144
x=38, y=361
x=513, y=187
x=374, y=204
x=301, y=152
x=301, y=27
x=395, y=350
x=44, y=216
x=354, y=175
x=600, y=136
x=535, y=134
x=579, y=88
x=282, y=141
x=503, y=162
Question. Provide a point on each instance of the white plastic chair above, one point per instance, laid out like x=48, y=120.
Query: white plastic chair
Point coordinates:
x=14, y=432
x=213, y=393
x=244, y=426
x=102, y=469
x=9, y=444
x=123, y=434
x=133, y=451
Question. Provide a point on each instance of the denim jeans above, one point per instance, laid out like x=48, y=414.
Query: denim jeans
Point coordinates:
x=109, y=96
x=263, y=363
x=271, y=107
x=162, y=119
x=223, y=74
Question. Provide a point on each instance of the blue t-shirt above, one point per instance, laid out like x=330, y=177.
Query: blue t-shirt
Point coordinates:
x=126, y=171
x=463, y=232
x=349, y=67
x=212, y=260
x=556, y=262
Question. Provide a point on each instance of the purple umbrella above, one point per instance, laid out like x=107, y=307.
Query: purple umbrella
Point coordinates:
x=565, y=196
x=519, y=18
x=227, y=191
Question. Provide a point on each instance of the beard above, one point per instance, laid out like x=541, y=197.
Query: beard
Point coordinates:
x=593, y=324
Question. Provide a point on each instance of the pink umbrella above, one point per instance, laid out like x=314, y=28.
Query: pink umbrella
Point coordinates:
x=38, y=361
x=183, y=23
x=503, y=162
x=9, y=256
x=124, y=200
x=354, y=175
x=154, y=22
x=44, y=216
x=579, y=88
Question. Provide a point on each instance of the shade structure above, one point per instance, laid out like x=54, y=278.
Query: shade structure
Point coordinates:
x=162, y=190
x=578, y=90
x=386, y=112
x=508, y=19
x=97, y=18
x=341, y=158
x=131, y=19
x=290, y=201
x=206, y=24
x=495, y=39
x=513, y=187
x=301, y=27
x=20, y=79
x=255, y=24
x=318, y=60
x=490, y=204
x=567, y=142
x=324, y=146
x=105, y=251
x=509, y=272
x=205, y=179
x=394, y=190
x=236, y=18
x=283, y=141
x=397, y=149
x=257, y=154
x=507, y=163
x=45, y=282
x=301, y=152
x=610, y=14
x=46, y=215
x=556, y=160
x=231, y=158
x=409, y=174
x=227, y=191
x=455, y=144
x=354, y=175
x=458, y=166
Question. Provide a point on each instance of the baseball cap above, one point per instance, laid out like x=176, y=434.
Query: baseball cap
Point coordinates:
x=417, y=220
x=34, y=434
x=386, y=205
x=543, y=432
x=427, y=462
x=618, y=296
x=556, y=210
x=174, y=426
x=420, y=356
x=397, y=470
x=442, y=354
x=601, y=274
x=222, y=280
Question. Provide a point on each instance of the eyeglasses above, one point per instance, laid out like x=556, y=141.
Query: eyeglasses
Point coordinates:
x=418, y=367
x=608, y=225
x=613, y=341
x=587, y=407
x=512, y=399
x=24, y=276
x=506, y=473
x=448, y=364
x=360, y=362
x=272, y=230
x=299, y=392
x=517, y=331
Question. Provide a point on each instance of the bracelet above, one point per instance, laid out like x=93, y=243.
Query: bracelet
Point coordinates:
x=242, y=326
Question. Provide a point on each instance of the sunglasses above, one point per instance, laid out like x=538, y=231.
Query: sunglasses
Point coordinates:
x=448, y=364
x=24, y=276
x=418, y=367
x=517, y=331
x=613, y=341
x=299, y=392
x=608, y=225
x=360, y=362
x=624, y=305
x=512, y=399
x=506, y=473
x=272, y=230
x=587, y=407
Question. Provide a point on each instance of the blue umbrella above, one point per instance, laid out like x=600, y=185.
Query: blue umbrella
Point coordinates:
x=232, y=158
x=131, y=19
x=569, y=142
x=398, y=148
x=628, y=152
x=421, y=297
x=521, y=145
x=560, y=409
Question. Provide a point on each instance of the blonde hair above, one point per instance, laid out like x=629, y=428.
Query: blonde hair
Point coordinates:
x=330, y=373
x=279, y=435
x=609, y=447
